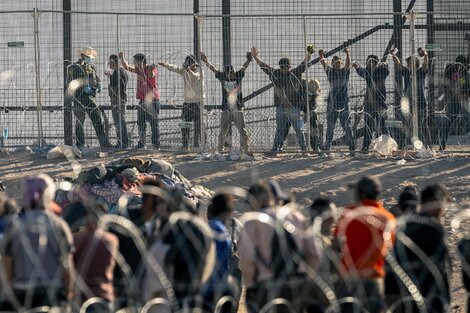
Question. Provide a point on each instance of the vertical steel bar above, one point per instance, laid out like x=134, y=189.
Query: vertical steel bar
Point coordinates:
x=37, y=57
x=307, y=118
x=414, y=90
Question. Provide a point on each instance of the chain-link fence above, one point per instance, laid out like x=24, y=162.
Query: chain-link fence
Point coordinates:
x=34, y=110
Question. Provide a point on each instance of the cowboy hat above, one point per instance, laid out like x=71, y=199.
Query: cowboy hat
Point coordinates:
x=88, y=51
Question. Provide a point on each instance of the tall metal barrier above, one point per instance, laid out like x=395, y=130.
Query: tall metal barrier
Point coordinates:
x=39, y=46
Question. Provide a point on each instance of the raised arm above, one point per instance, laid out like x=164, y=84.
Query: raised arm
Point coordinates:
x=396, y=61
x=125, y=65
x=425, y=61
x=321, y=54
x=264, y=67
x=302, y=67
x=171, y=67
x=209, y=65
x=348, y=58
x=249, y=58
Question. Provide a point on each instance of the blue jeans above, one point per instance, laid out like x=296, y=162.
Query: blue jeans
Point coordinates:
x=341, y=110
x=284, y=117
x=149, y=112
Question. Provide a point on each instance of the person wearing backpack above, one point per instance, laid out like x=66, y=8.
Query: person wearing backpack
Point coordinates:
x=275, y=261
x=225, y=279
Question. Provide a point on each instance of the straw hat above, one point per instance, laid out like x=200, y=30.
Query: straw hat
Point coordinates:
x=88, y=51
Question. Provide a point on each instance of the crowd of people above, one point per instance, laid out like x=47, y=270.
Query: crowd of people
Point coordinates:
x=294, y=99
x=167, y=254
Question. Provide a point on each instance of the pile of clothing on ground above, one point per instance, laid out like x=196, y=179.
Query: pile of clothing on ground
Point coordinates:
x=107, y=184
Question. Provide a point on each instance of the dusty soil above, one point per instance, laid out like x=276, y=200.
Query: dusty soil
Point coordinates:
x=308, y=177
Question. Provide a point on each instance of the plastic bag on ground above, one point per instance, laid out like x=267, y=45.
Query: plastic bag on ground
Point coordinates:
x=384, y=145
x=64, y=152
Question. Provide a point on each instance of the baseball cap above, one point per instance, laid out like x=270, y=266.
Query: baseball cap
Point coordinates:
x=372, y=57
x=284, y=62
x=368, y=186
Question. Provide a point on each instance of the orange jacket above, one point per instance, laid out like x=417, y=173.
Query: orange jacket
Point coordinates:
x=365, y=233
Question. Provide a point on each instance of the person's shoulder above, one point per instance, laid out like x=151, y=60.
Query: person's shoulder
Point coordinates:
x=220, y=75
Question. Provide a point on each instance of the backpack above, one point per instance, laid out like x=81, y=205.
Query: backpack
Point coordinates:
x=285, y=255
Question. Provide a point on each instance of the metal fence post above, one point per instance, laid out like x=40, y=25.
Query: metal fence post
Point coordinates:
x=414, y=81
x=307, y=118
x=201, y=73
x=67, y=51
x=119, y=108
x=37, y=57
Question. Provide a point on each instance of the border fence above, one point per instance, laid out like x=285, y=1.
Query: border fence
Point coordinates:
x=40, y=44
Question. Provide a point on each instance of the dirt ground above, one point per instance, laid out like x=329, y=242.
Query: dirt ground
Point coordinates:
x=308, y=177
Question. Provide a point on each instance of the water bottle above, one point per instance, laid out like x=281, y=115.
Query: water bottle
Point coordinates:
x=5, y=133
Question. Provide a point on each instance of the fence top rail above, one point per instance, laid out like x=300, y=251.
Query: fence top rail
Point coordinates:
x=368, y=14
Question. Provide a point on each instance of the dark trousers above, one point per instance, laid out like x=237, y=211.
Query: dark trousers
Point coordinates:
x=286, y=117
x=148, y=112
x=40, y=297
x=368, y=292
x=118, y=110
x=341, y=110
x=82, y=107
x=374, y=120
x=191, y=113
x=301, y=295
x=315, y=140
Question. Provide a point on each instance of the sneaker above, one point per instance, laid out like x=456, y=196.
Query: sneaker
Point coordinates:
x=140, y=145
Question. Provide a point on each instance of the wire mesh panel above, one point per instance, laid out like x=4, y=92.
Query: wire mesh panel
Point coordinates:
x=18, y=97
x=277, y=30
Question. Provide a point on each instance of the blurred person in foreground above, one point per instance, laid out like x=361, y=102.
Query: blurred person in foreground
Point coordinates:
x=182, y=256
x=464, y=251
x=421, y=250
x=276, y=262
x=39, y=245
x=225, y=279
x=95, y=260
x=364, y=234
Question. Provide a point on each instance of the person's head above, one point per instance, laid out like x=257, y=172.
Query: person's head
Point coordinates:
x=221, y=207
x=324, y=209
x=7, y=205
x=336, y=62
x=152, y=204
x=190, y=61
x=113, y=61
x=140, y=61
x=367, y=188
x=261, y=196
x=38, y=192
x=284, y=65
x=313, y=87
x=408, y=200
x=372, y=61
x=280, y=196
x=87, y=53
x=229, y=72
x=434, y=200
x=409, y=60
